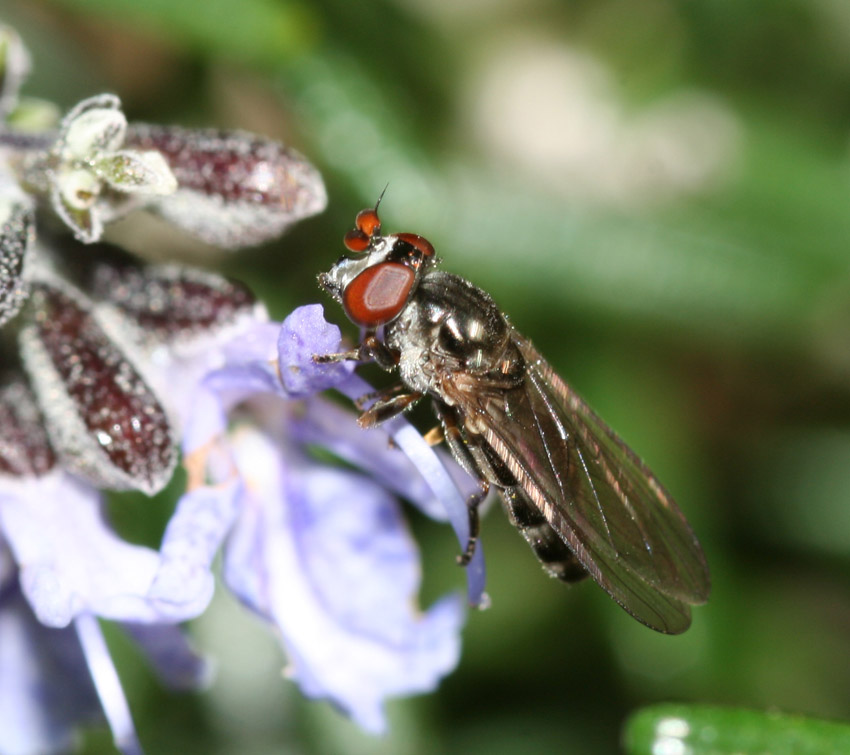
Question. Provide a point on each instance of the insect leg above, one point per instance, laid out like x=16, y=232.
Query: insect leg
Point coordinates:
x=479, y=459
x=387, y=406
x=352, y=355
x=472, y=504
x=363, y=402
x=371, y=349
x=464, y=455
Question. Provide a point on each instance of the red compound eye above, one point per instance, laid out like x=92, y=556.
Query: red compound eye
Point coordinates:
x=418, y=242
x=368, y=222
x=356, y=241
x=378, y=294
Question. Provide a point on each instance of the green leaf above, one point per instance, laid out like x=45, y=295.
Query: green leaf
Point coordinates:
x=713, y=730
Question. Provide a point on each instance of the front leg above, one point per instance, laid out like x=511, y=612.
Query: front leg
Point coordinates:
x=388, y=402
x=370, y=349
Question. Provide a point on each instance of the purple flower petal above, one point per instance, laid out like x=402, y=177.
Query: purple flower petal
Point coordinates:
x=217, y=394
x=441, y=482
x=70, y=561
x=45, y=686
x=249, y=368
x=306, y=333
x=323, y=554
x=258, y=344
x=325, y=424
x=171, y=654
x=234, y=189
x=184, y=582
x=266, y=359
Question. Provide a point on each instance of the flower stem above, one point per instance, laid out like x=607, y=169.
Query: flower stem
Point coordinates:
x=108, y=685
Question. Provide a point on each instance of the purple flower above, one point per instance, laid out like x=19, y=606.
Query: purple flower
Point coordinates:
x=60, y=566
x=45, y=687
x=109, y=351
x=320, y=552
x=120, y=364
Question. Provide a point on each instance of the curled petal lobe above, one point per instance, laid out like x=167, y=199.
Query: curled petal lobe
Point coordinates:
x=306, y=333
x=194, y=534
x=70, y=562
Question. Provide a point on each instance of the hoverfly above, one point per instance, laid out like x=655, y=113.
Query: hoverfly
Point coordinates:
x=581, y=498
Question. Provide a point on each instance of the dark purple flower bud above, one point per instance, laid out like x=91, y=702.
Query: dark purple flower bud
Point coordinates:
x=235, y=189
x=24, y=448
x=103, y=419
x=16, y=236
x=171, y=303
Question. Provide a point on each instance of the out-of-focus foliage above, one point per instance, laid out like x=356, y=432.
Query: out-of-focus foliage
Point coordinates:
x=657, y=192
x=711, y=730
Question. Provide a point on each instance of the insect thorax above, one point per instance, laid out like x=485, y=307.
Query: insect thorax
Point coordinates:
x=448, y=326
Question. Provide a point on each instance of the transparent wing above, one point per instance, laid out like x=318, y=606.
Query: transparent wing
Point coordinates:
x=595, y=492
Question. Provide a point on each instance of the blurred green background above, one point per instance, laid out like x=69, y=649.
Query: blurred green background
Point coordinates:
x=657, y=192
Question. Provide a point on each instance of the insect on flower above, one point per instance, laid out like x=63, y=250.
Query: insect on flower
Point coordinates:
x=582, y=499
